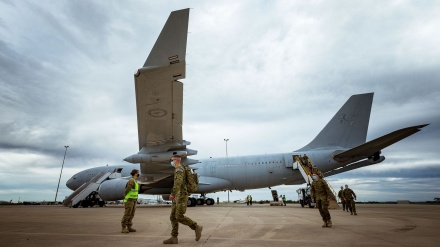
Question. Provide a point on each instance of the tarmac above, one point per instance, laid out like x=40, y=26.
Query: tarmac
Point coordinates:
x=223, y=225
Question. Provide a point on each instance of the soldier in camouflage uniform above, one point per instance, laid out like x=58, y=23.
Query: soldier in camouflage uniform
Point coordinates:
x=179, y=196
x=130, y=195
x=321, y=194
x=341, y=197
x=348, y=195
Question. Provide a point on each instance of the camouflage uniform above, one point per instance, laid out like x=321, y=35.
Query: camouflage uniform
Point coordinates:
x=321, y=192
x=341, y=197
x=130, y=205
x=350, y=204
x=178, y=208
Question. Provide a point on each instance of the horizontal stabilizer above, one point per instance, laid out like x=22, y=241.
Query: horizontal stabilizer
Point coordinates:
x=353, y=166
x=369, y=148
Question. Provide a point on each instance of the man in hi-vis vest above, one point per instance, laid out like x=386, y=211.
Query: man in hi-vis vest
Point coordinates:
x=131, y=195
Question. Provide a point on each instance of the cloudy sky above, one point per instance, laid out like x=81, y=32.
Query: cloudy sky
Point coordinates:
x=267, y=75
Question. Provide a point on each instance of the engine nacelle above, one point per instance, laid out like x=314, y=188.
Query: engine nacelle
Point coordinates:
x=112, y=190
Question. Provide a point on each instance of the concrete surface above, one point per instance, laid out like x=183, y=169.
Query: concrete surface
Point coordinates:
x=236, y=225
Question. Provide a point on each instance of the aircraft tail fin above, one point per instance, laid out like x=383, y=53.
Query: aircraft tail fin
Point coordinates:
x=170, y=46
x=348, y=127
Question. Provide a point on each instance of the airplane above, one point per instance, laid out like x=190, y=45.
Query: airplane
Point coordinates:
x=340, y=146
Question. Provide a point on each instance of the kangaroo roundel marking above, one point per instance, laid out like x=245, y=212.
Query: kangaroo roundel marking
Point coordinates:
x=157, y=112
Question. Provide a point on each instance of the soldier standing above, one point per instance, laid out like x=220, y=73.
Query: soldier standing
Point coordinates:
x=179, y=196
x=284, y=200
x=341, y=197
x=321, y=194
x=350, y=203
x=250, y=200
x=131, y=195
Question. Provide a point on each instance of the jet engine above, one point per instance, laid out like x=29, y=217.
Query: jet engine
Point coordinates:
x=112, y=190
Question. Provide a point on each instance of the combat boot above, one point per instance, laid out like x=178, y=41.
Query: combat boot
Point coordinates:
x=131, y=229
x=329, y=223
x=198, y=231
x=351, y=213
x=124, y=229
x=355, y=213
x=325, y=224
x=172, y=240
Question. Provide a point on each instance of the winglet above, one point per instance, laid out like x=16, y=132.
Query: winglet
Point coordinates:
x=170, y=46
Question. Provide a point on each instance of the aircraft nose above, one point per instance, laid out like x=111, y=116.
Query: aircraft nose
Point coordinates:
x=70, y=183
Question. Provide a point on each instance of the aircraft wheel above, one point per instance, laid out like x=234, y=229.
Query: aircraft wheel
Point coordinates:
x=209, y=201
x=200, y=201
x=193, y=202
x=302, y=203
x=101, y=203
x=85, y=203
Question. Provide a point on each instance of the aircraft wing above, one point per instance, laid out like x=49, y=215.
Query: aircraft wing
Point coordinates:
x=159, y=101
x=159, y=96
x=372, y=147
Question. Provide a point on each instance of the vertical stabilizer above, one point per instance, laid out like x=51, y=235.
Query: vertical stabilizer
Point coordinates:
x=348, y=127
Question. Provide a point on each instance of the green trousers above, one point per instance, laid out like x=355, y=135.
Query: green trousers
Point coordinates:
x=351, y=205
x=130, y=209
x=322, y=205
x=178, y=209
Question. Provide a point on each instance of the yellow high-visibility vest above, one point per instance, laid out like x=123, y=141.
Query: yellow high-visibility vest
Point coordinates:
x=133, y=193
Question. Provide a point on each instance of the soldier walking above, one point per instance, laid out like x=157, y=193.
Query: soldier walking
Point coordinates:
x=131, y=196
x=321, y=194
x=284, y=200
x=350, y=203
x=179, y=196
x=341, y=197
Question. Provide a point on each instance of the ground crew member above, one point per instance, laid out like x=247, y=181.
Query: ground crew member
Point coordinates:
x=284, y=200
x=321, y=194
x=305, y=159
x=247, y=200
x=250, y=200
x=179, y=196
x=130, y=200
x=350, y=203
x=341, y=197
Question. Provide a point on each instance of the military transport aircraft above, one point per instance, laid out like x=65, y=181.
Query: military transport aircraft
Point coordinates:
x=339, y=147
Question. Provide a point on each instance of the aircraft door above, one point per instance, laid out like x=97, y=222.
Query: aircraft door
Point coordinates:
x=213, y=166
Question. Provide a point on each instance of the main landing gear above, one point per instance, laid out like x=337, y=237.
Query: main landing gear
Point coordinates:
x=202, y=200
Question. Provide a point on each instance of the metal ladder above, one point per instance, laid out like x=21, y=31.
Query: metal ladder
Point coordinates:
x=86, y=189
x=307, y=175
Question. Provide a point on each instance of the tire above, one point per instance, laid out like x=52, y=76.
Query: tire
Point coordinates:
x=85, y=203
x=101, y=203
x=200, y=201
x=302, y=203
x=210, y=201
x=191, y=202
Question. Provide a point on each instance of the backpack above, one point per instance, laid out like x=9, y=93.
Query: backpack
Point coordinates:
x=192, y=180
